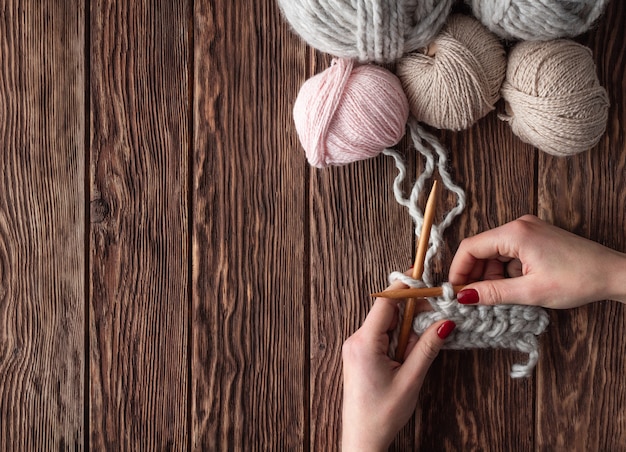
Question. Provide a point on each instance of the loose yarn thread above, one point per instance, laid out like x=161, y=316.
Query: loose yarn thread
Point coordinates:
x=554, y=99
x=367, y=30
x=538, y=20
x=457, y=80
x=504, y=326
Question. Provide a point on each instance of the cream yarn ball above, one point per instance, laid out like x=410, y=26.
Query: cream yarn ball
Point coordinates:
x=349, y=113
x=553, y=97
x=367, y=30
x=538, y=20
x=458, y=80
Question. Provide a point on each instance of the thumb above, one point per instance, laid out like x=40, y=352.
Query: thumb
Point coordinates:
x=425, y=351
x=491, y=292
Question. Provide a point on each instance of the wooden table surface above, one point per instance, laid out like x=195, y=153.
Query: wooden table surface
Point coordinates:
x=174, y=276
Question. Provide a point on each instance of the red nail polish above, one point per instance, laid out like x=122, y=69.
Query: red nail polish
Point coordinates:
x=467, y=296
x=445, y=329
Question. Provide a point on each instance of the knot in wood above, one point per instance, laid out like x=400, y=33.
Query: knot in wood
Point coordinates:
x=99, y=210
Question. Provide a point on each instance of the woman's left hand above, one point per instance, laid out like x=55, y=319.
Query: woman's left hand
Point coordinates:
x=380, y=394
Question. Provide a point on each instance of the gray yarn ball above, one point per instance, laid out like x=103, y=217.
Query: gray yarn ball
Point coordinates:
x=367, y=30
x=538, y=20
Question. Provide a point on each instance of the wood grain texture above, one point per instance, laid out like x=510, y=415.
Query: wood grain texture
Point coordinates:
x=42, y=215
x=355, y=243
x=222, y=274
x=358, y=236
x=581, y=396
x=139, y=304
x=250, y=298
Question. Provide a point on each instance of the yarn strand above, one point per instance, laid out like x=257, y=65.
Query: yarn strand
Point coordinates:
x=505, y=326
x=430, y=148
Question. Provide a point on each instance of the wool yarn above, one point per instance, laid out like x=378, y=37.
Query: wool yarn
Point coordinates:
x=457, y=80
x=367, y=30
x=554, y=100
x=538, y=20
x=349, y=113
x=513, y=327
x=510, y=327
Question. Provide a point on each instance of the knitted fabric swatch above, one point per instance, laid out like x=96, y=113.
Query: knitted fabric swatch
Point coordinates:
x=504, y=326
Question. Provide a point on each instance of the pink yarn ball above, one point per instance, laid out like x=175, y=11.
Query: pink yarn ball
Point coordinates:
x=348, y=113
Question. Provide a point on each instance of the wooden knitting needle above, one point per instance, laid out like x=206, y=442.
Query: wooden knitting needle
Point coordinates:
x=422, y=292
x=418, y=270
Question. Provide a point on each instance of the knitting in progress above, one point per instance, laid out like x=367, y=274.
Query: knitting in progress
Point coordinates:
x=505, y=326
x=450, y=72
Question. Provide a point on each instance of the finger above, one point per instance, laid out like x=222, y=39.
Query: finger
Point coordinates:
x=424, y=352
x=422, y=305
x=487, y=245
x=514, y=268
x=520, y=290
x=464, y=266
x=394, y=320
x=493, y=269
x=476, y=274
x=381, y=317
x=412, y=342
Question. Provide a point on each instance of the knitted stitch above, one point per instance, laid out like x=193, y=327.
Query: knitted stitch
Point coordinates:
x=503, y=326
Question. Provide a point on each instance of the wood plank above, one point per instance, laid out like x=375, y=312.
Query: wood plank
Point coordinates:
x=580, y=394
x=42, y=216
x=358, y=236
x=250, y=301
x=139, y=308
x=467, y=397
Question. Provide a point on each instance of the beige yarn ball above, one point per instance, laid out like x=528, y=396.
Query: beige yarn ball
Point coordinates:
x=554, y=100
x=457, y=80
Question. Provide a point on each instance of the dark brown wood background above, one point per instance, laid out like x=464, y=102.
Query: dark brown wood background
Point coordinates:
x=174, y=276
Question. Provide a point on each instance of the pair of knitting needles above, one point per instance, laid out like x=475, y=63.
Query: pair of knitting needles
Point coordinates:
x=422, y=292
x=418, y=269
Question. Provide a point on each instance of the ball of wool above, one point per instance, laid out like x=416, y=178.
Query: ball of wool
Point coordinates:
x=554, y=100
x=367, y=30
x=538, y=20
x=457, y=80
x=348, y=113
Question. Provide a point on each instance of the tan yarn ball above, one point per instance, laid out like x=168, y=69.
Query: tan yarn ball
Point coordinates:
x=457, y=80
x=554, y=100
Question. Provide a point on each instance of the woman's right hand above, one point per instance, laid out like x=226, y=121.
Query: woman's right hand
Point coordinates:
x=529, y=261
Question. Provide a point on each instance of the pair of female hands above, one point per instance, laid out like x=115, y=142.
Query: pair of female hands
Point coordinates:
x=545, y=265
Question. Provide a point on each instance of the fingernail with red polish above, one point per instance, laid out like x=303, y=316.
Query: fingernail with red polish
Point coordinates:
x=445, y=329
x=467, y=296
